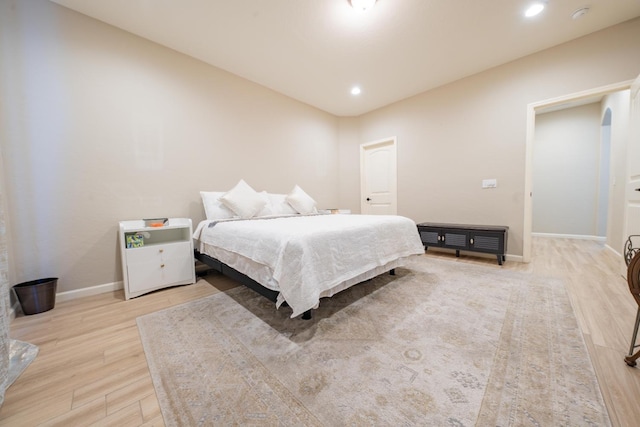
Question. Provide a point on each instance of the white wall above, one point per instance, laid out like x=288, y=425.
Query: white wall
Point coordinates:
x=566, y=164
x=452, y=137
x=98, y=125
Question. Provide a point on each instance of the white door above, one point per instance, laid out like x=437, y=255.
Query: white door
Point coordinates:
x=632, y=210
x=378, y=177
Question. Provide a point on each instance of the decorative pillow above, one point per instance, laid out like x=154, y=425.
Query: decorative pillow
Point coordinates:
x=267, y=209
x=301, y=201
x=213, y=208
x=279, y=205
x=243, y=200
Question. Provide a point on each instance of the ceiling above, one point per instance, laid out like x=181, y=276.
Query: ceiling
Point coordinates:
x=315, y=51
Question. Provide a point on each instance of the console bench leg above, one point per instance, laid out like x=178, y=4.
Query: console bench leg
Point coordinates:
x=500, y=259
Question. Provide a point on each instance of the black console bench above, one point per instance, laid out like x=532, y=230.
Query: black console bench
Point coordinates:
x=490, y=239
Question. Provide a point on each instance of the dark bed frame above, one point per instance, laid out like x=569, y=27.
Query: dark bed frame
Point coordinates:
x=234, y=274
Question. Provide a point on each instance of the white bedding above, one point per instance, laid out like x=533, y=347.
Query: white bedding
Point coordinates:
x=306, y=257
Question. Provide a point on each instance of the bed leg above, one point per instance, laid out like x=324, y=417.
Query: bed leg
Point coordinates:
x=306, y=315
x=392, y=272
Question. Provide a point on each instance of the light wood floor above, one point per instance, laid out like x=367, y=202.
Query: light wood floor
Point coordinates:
x=91, y=369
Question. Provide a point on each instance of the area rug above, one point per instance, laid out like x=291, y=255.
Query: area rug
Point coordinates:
x=441, y=343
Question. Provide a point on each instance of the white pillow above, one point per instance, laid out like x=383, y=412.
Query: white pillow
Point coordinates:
x=301, y=201
x=266, y=210
x=279, y=205
x=243, y=200
x=213, y=208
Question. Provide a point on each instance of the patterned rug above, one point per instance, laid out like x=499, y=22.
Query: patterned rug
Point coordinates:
x=441, y=343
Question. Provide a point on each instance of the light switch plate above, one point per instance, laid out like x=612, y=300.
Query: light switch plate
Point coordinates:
x=489, y=183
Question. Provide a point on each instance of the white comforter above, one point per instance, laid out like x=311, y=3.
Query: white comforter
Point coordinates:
x=308, y=255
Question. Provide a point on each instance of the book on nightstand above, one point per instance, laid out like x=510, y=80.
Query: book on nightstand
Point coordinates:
x=134, y=240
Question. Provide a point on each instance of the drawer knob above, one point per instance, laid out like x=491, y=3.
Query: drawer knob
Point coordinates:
x=161, y=250
x=161, y=265
x=471, y=241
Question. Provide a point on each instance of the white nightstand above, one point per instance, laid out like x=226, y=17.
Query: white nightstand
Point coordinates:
x=163, y=256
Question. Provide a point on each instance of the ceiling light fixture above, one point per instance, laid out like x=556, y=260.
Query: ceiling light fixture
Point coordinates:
x=580, y=13
x=534, y=9
x=362, y=5
x=355, y=90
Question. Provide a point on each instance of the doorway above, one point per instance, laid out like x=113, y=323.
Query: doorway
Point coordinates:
x=576, y=99
x=568, y=175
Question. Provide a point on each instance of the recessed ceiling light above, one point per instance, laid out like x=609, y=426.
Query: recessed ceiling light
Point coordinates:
x=355, y=90
x=363, y=5
x=534, y=9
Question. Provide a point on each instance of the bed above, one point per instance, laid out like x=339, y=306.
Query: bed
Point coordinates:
x=294, y=255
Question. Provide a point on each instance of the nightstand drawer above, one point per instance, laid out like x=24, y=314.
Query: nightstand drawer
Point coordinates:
x=160, y=265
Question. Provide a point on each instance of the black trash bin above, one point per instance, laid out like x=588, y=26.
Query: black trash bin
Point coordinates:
x=37, y=296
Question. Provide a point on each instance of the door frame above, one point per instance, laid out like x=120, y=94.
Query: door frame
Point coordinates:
x=574, y=99
x=631, y=180
x=394, y=143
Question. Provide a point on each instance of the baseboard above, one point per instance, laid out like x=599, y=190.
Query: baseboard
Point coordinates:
x=616, y=253
x=571, y=236
x=85, y=292
x=514, y=258
x=71, y=295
